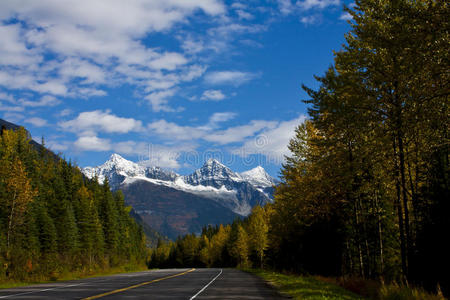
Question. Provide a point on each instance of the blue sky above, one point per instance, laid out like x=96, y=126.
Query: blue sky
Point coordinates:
x=168, y=82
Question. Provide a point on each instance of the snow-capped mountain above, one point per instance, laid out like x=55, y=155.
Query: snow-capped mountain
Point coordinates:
x=117, y=169
x=213, y=183
x=213, y=173
x=261, y=180
x=258, y=177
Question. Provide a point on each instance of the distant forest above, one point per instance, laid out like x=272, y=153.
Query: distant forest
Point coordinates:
x=365, y=191
x=54, y=221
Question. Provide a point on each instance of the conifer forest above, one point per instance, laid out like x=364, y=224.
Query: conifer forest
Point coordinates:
x=54, y=221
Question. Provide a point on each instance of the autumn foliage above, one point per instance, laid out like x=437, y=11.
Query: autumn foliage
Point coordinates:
x=54, y=221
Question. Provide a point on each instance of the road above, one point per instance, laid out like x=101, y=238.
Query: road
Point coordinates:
x=156, y=284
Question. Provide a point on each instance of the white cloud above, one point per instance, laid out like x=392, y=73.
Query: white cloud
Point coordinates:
x=243, y=15
x=79, y=68
x=172, y=131
x=57, y=145
x=159, y=100
x=209, y=132
x=13, y=50
x=93, y=44
x=151, y=154
x=54, y=87
x=230, y=30
x=7, y=97
x=220, y=39
x=11, y=108
x=214, y=95
x=310, y=20
x=92, y=143
x=13, y=117
x=317, y=4
x=221, y=117
x=13, y=78
x=89, y=92
x=268, y=138
x=286, y=7
x=271, y=142
x=165, y=158
x=168, y=61
x=45, y=101
x=346, y=16
x=192, y=46
x=238, y=133
x=238, y=5
x=100, y=121
x=193, y=72
x=229, y=77
x=65, y=112
x=37, y=122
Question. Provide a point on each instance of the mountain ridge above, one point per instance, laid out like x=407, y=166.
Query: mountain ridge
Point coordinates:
x=213, y=177
x=177, y=204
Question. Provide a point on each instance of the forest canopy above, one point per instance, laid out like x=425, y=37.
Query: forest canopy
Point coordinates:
x=53, y=220
x=365, y=191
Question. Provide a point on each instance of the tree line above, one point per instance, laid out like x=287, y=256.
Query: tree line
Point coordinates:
x=365, y=191
x=55, y=221
x=242, y=243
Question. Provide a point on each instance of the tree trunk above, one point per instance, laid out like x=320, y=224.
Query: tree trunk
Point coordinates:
x=380, y=234
x=398, y=206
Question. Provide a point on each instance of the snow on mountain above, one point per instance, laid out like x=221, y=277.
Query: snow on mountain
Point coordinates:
x=258, y=177
x=213, y=173
x=214, y=181
x=117, y=169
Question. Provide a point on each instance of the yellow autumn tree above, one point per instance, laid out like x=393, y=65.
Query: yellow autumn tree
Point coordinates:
x=239, y=249
x=19, y=193
x=258, y=229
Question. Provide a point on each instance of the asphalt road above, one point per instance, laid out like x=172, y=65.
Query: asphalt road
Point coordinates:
x=157, y=284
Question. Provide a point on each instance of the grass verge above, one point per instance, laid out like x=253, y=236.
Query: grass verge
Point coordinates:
x=75, y=276
x=318, y=287
x=304, y=287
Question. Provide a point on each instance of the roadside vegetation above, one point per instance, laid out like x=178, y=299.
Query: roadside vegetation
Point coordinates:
x=304, y=287
x=364, y=193
x=73, y=275
x=57, y=224
x=318, y=287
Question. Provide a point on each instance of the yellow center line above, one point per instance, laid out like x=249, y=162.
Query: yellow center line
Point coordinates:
x=137, y=285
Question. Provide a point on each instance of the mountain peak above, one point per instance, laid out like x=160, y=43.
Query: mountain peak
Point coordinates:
x=117, y=161
x=212, y=161
x=258, y=176
x=212, y=173
x=116, y=157
x=256, y=171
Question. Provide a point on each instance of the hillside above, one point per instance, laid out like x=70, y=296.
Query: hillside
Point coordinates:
x=174, y=204
x=53, y=220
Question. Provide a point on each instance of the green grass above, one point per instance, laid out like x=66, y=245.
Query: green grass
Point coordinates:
x=75, y=275
x=304, y=287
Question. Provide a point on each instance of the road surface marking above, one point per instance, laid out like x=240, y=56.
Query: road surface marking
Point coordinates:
x=136, y=285
x=204, y=288
x=38, y=291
